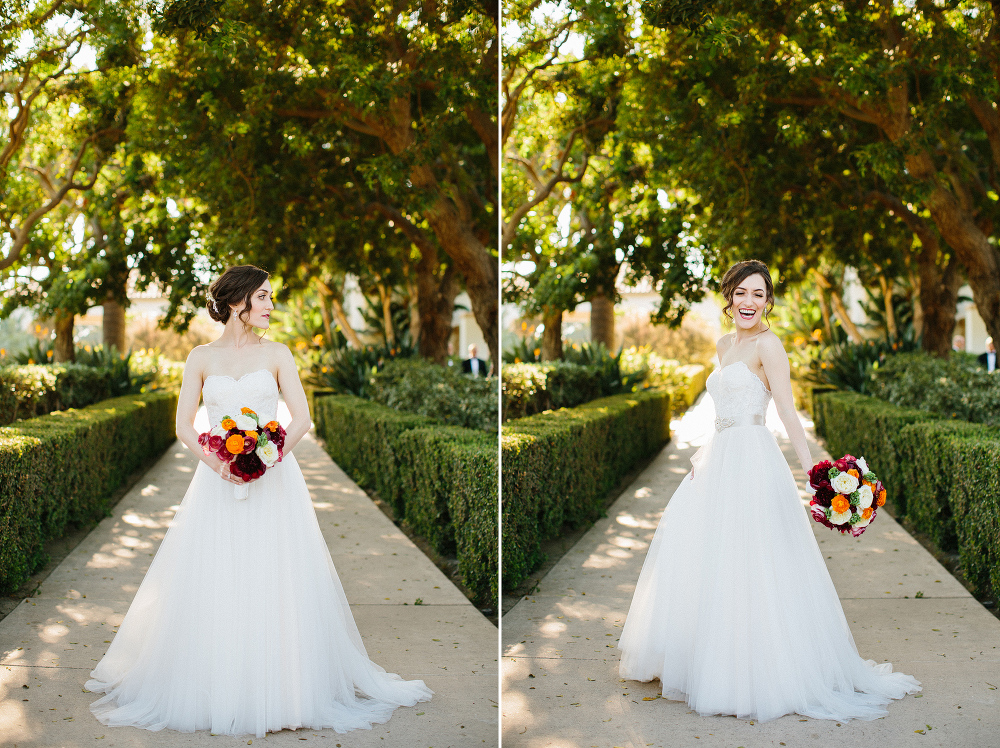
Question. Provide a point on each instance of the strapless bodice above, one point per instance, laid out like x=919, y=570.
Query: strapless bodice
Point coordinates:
x=224, y=396
x=740, y=397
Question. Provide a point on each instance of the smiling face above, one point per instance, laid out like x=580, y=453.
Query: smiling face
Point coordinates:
x=749, y=301
x=261, y=305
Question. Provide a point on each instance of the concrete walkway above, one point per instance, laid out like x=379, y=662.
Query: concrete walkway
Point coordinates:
x=560, y=684
x=52, y=641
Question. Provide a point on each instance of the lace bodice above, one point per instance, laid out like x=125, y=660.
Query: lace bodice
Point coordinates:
x=224, y=395
x=738, y=394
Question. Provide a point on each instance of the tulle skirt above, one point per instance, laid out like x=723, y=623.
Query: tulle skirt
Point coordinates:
x=241, y=624
x=734, y=611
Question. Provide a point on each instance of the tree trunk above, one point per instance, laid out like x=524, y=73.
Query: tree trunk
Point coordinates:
x=385, y=296
x=324, y=312
x=328, y=292
x=824, y=310
x=413, y=303
x=552, y=349
x=64, y=351
x=938, y=300
x=113, y=327
x=840, y=312
x=436, y=302
x=602, y=320
x=918, y=308
x=891, y=331
x=960, y=232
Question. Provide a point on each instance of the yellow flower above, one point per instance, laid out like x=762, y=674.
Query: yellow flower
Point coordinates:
x=301, y=344
x=49, y=354
x=31, y=360
x=324, y=370
x=799, y=340
x=537, y=351
x=317, y=340
x=3, y=351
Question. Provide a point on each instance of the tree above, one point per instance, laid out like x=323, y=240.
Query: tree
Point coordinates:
x=307, y=116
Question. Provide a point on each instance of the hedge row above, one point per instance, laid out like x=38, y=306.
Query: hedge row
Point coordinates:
x=31, y=390
x=442, y=480
x=942, y=475
x=62, y=468
x=558, y=467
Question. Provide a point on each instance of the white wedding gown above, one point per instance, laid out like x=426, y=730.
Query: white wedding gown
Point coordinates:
x=241, y=624
x=734, y=611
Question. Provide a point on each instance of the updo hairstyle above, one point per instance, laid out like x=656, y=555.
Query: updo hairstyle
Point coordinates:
x=235, y=285
x=739, y=273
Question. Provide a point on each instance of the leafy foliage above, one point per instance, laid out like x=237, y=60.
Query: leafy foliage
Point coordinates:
x=953, y=388
x=442, y=393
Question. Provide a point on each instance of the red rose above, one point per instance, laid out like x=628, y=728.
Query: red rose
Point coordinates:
x=824, y=494
x=845, y=463
x=819, y=474
x=215, y=443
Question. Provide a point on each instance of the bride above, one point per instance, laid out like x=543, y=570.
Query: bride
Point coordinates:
x=241, y=624
x=734, y=611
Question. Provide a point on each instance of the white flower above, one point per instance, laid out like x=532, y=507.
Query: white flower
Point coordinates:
x=862, y=521
x=845, y=483
x=218, y=431
x=245, y=423
x=865, y=496
x=862, y=465
x=839, y=518
x=268, y=453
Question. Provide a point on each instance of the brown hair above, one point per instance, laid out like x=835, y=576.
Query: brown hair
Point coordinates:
x=235, y=285
x=739, y=273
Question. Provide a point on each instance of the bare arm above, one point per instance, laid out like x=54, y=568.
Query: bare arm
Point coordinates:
x=187, y=409
x=775, y=362
x=295, y=399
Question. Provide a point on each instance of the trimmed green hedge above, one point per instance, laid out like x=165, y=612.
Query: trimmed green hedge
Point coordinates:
x=942, y=475
x=442, y=480
x=558, y=467
x=31, y=390
x=62, y=468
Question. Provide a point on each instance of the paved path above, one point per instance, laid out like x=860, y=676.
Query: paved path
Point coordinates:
x=51, y=642
x=560, y=684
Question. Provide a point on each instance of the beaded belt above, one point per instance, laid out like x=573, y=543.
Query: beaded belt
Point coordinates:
x=755, y=419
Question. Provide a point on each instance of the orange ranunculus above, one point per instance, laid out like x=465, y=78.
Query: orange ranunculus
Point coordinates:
x=252, y=435
x=867, y=513
x=881, y=497
x=228, y=423
x=235, y=444
x=854, y=472
x=271, y=425
x=246, y=411
x=840, y=504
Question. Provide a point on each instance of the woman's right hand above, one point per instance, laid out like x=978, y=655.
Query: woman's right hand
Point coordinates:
x=225, y=473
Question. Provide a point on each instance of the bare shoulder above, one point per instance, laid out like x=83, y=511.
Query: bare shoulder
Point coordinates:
x=723, y=344
x=276, y=349
x=197, y=362
x=769, y=346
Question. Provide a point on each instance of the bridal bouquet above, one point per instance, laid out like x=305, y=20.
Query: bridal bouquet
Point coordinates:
x=847, y=496
x=249, y=447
